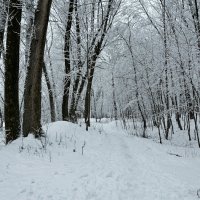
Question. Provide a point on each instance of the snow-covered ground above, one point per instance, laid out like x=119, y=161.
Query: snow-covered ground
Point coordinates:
x=114, y=166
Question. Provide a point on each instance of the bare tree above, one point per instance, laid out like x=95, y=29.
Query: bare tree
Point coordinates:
x=11, y=85
x=94, y=52
x=32, y=94
x=67, y=81
x=50, y=92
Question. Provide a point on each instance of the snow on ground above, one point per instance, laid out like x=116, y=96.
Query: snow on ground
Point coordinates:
x=114, y=166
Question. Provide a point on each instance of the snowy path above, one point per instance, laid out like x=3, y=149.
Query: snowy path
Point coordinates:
x=114, y=167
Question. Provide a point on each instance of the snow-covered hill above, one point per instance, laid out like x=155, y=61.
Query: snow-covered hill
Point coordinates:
x=102, y=164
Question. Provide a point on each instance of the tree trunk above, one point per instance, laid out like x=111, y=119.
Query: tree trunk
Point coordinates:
x=1, y=119
x=72, y=112
x=93, y=54
x=32, y=94
x=67, y=81
x=166, y=56
x=11, y=88
x=88, y=92
x=80, y=90
x=51, y=96
x=197, y=130
x=30, y=19
x=114, y=98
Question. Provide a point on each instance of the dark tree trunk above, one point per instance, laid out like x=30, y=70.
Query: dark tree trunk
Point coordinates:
x=32, y=93
x=72, y=112
x=12, y=119
x=197, y=130
x=93, y=54
x=67, y=80
x=178, y=117
x=80, y=90
x=95, y=99
x=166, y=66
x=188, y=127
x=51, y=96
x=114, y=98
x=92, y=64
x=1, y=119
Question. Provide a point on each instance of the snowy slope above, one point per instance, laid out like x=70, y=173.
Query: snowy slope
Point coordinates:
x=114, y=166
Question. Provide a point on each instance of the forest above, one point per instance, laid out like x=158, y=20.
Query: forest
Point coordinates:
x=132, y=66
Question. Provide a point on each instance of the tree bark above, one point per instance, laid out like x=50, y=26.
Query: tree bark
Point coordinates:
x=114, y=98
x=72, y=112
x=1, y=119
x=51, y=96
x=92, y=64
x=67, y=80
x=32, y=93
x=11, y=87
x=93, y=53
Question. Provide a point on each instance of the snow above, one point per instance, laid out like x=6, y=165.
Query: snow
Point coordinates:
x=114, y=166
